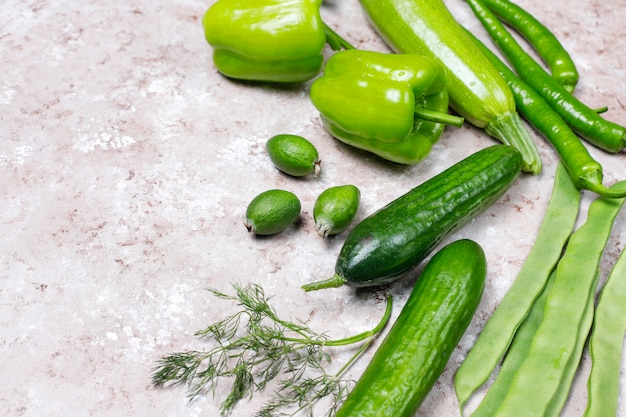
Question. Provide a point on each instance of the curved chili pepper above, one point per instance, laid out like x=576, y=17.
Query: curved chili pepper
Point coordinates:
x=586, y=172
x=393, y=105
x=546, y=44
x=598, y=131
x=269, y=40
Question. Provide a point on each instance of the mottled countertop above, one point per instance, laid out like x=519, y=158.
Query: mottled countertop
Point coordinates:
x=127, y=161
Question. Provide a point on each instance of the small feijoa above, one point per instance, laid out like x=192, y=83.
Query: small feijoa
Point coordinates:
x=271, y=212
x=293, y=154
x=335, y=209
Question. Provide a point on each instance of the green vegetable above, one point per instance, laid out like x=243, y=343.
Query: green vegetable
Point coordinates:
x=555, y=343
x=585, y=121
x=393, y=240
x=500, y=330
x=514, y=357
x=335, y=209
x=415, y=352
x=271, y=212
x=477, y=92
x=255, y=347
x=549, y=48
x=585, y=171
x=294, y=155
x=519, y=350
x=268, y=40
x=394, y=106
x=606, y=344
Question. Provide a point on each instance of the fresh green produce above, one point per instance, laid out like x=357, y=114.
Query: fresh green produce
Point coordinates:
x=586, y=172
x=477, y=91
x=393, y=105
x=502, y=327
x=335, y=209
x=585, y=121
x=514, y=357
x=545, y=43
x=417, y=348
x=255, y=347
x=293, y=154
x=268, y=40
x=555, y=346
x=606, y=344
x=393, y=240
x=272, y=211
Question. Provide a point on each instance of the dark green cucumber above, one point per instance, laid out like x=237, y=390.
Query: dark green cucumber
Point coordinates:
x=417, y=348
x=395, y=239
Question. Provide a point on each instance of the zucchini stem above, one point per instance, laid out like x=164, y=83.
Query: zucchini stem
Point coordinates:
x=335, y=281
x=510, y=130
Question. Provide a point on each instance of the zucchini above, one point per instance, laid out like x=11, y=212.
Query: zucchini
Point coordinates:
x=477, y=91
x=392, y=241
x=417, y=349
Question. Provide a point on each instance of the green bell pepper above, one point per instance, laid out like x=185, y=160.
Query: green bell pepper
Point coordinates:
x=268, y=40
x=393, y=105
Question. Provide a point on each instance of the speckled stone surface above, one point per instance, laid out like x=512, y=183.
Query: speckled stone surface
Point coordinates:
x=127, y=161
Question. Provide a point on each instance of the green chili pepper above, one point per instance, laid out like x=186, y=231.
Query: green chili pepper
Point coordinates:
x=598, y=131
x=554, y=344
x=495, y=338
x=268, y=40
x=606, y=344
x=544, y=42
x=585, y=171
x=393, y=105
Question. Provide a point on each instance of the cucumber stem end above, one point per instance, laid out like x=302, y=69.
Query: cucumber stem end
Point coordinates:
x=335, y=281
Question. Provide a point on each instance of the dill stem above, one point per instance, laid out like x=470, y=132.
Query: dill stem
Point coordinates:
x=348, y=340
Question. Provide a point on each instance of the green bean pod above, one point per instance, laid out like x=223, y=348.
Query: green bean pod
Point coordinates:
x=586, y=172
x=496, y=336
x=477, y=92
x=515, y=355
x=598, y=131
x=555, y=341
x=606, y=344
x=545, y=43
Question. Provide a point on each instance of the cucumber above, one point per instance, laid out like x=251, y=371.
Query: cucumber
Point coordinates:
x=395, y=239
x=417, y=348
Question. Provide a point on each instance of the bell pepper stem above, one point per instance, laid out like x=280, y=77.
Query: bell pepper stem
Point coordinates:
x=334, y=40
x=438, y=117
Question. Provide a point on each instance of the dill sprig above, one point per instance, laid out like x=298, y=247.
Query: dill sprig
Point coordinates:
x=254, y=347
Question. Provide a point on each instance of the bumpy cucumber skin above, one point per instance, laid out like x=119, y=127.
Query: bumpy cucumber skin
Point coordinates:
x=417, y=348
x=393, y=240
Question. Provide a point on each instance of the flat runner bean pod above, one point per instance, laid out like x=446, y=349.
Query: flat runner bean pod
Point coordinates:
x=558, y=400
x=549, y=48
x=585, y=171
x=496, y=336
x=554, y=343
x=606, y=344
x=514, y=356
x=598, y=131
